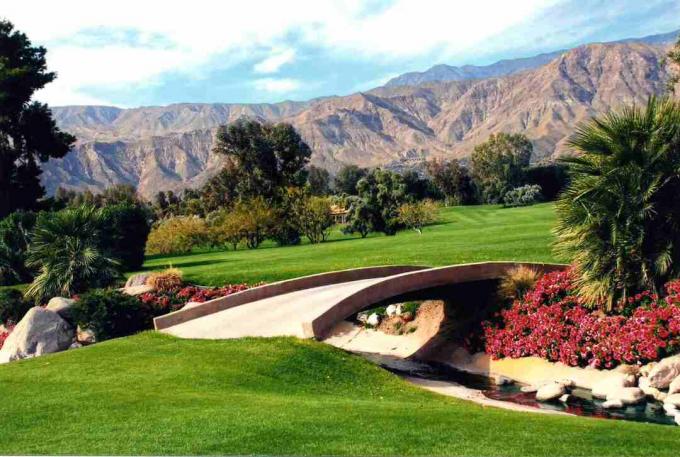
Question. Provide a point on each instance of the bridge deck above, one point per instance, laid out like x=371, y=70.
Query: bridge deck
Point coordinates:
x=282, y=315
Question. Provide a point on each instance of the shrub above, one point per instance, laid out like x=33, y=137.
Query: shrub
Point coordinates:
x=522, y=196
x=619, y=219
x=111, y=314
x=67, y=250
x=417, y=215
x=225, y=228
x=177, y=235
x=125, y=229
x=163, y=302
x=165, y=280
x=517, y=282
x=12, y=306
x=551, y=322
x=258, y=221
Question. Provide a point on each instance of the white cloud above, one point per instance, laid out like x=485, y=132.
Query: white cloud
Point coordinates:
x=194, y=34
x=273, y=63
x=276, y=85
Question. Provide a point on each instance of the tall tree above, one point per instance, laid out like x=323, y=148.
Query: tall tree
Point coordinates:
x=453, y=181
x=498, y=164
x=347, y=178
x=319, y=181
x=384, y=192
x=28, y=133
x=267, y=157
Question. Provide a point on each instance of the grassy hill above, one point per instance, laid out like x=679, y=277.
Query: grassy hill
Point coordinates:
x=154, y=394
x=464, y=234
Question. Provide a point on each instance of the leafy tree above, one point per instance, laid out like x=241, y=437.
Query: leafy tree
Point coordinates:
x=383, y=192
x=286, y=229
x=358, y=217
x=347, y=178
x=28, y=134
x=221, y=190
x=267, y=158
x=120, y=194
x=498, y=164
x=15, y=234
x=226, y=228
x=258, y=220
x=418, y=214
x=619, y=219
x=418, y=187
x=319, y=181
x=453, y=181
x=177, y=235
x=66, y=248
x=313, y=215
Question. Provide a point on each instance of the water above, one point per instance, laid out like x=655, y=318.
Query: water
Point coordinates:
x=580, y=404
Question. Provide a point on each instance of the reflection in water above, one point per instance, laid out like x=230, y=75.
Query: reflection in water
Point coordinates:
x=581, y=402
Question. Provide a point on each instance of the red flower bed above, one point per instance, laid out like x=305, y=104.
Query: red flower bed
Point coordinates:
x=551, y=322
x=163, y=302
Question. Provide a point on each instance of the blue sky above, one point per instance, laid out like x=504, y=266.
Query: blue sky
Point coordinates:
x=147, y=52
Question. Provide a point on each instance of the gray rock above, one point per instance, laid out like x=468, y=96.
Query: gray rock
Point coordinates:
x=137, y=290
x=373, y=320
x=602, y=388
x=664, y=372
x=674, y=387
x=85, y=336
x=550, y=391
x=612, y=404
x=137, y=280
x=391, y=310
x=41, y=331
x=627, y=395
x=673, y=399
x=62, y=306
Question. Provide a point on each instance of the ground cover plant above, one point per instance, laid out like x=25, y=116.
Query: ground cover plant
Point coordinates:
x=154, y=394
x=552, y=322
x=461, y=235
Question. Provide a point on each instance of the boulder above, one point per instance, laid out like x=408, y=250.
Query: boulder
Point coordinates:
x=674, y=387
x=362, y=317
x=673, y=399
x=565, y=398
x=612, y=383
x=41, y=331
x=400, y=310
x=550, y=391
x=670, y=410
x=373, y=320
x=391, y=310
x=645, y=369
x=137, y=280
x=137, y=290
x=627, y=395
x=612, y=404
x=62, y=306
x=85, y=336
x=653, y=392
x=664, y=372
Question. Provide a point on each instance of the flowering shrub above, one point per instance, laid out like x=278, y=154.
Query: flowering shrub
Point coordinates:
x=166, y=301
x=4, y=334
x=552, y=323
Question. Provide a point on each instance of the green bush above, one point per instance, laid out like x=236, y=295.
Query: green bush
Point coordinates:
x=522, y=196
x=15, y=232
x=12, y=306
x=125, y=229
x=111, y=314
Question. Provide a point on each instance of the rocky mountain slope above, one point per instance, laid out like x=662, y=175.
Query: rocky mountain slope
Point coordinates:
x=159, y=148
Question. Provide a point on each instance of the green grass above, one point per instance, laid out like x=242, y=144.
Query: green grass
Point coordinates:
x=464, y=234
x=154, y=394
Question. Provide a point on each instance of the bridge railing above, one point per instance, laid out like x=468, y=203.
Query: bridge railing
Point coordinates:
x=279, y=288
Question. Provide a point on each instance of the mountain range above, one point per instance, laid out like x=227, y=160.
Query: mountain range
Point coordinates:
x=443, y=112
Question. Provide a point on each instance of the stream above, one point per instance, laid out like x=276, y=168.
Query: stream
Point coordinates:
x=580, y=404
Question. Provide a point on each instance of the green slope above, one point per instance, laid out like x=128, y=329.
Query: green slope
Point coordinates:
x=464, y=234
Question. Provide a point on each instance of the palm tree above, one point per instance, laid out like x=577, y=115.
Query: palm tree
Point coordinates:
x=619, y=220
x=66, y=250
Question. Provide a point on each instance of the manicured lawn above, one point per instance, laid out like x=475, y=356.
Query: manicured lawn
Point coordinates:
x=154, y=394
x=464, y=234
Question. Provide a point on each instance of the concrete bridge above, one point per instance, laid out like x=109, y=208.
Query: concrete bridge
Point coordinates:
x=310, y=306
